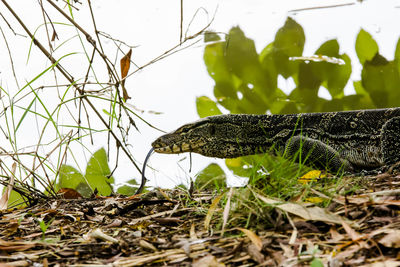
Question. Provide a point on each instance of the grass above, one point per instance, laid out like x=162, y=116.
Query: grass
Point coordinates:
x=66, y=108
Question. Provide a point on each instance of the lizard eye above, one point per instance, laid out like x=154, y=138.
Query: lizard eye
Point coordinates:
x=182, y=130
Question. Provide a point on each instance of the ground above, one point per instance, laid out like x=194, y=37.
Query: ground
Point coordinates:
x=176, y=228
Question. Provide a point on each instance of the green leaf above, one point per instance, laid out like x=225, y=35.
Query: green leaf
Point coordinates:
x=332, y=76
x=366, y=46
x=211, y=37
x=240, y=166
x=206, y=107
x=15, y=200
x=397, y=55
x=214, y=58
x=381, y=80
x=306, y=100
x=211, y=177
x=339, y=76
x=224, y=89
x=308, y=80
x=72, y=178
x=97, y=172
x=289, y=42
x=267, y=63
x=242, y=58
x=316, y=263
x=129, y=189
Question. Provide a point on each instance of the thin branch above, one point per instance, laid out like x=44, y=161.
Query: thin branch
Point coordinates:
x=11, y=59
x=181, y=24
x=70, y=79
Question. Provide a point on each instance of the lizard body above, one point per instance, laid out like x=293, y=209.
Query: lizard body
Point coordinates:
x=353, y=140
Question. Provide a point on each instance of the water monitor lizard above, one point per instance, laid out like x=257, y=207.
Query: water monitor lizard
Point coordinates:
x=353, y=140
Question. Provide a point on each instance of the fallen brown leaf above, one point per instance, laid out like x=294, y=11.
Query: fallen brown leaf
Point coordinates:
x=391, y=239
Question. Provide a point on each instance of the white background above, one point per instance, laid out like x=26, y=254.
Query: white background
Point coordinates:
x=172, y=85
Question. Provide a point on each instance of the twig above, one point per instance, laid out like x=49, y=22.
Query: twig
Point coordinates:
x=69, y=77
x=181, y=24
x=9, y=53
x=320, y=7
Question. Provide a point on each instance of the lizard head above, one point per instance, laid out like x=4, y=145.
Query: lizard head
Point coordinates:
x=215, y=136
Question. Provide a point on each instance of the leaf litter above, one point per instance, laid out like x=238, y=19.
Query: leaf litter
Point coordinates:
x=174, y=228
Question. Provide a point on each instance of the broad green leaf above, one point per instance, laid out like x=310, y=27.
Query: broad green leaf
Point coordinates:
x=306, y=100
x=214, y=58
x=84, y=189
x=128, y=189
x=332, y=76
x=240, y=166
x=289, y=42
x=308, y=80
x=268, y=50
x=243, y=60
x=211, y=177
x=211, y=37
x=366, y=46
x=381, y=80
x=69, y=177
x=267, y=63
x=15, y=200
x=397, y=55
x=251, y=100
x=97, y=172
x=206, y=107
x=316, y=263
x=279, y=102
x=339, y=76
x=72, y=178
x=360, y=90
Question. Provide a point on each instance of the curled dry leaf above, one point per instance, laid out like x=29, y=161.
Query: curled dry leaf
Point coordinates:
x=146, y=245
x=391, y=239
x=227, y=210
x=98, y=234
x=69, y=193
x=211, y=210
x=255, y=253
x=125, y=65
x=7, y=191
x=253, y=237
x=207, y=261
x=307, y=212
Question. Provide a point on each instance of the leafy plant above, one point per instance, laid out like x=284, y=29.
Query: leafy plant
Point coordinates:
x=247, y=81
x=97, y=177
x=43, y=226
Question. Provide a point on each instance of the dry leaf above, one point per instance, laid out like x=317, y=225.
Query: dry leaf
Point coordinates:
x=193, y=235
x=207, y=261
x=253, y=237
x=226, y=211
x=146, y=245
x=351, y=232
x=10, y=246
x=125, y=65
x=98, y=234
x=255, y=253
x=336, y=236
x=69, y=193
x=385, y=263
x=391, y=239
x=7, y=191
x=311, y=176
x=306, y=212
x=211, y=210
